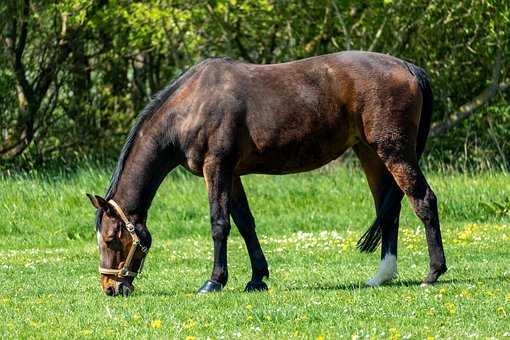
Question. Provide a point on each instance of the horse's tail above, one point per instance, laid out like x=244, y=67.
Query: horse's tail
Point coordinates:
x=389, y=208
x=426, y=108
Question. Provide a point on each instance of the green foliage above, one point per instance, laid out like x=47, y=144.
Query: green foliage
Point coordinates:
x=105, y=59
x=497, y=208
x=480, y=143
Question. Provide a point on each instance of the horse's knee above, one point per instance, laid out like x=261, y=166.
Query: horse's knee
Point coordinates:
x=220, y=230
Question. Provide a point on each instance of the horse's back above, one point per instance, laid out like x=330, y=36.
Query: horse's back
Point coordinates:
x=294, y=116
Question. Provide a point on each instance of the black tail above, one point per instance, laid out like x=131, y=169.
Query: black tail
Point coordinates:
x=426, y=109
x=372, y=237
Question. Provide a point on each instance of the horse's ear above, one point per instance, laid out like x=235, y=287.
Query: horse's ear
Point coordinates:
x=94, y=201
x=100, y=203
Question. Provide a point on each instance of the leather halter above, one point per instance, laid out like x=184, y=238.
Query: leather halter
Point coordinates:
x=125, y=271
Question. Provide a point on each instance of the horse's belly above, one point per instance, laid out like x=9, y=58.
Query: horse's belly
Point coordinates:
x=295, y=156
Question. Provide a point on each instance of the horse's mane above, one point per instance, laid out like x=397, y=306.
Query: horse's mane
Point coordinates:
x=156, y=102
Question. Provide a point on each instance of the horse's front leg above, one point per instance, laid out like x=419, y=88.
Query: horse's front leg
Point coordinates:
x=243, y=218
x=218, y=178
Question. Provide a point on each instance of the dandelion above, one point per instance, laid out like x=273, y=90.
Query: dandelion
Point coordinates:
x=452, y=309
x=189, y=324
x=320, y=337
x=190, y=337
x=156, y=324
x=465, y=294
x=394, y=334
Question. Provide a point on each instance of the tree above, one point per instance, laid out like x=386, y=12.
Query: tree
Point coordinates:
x=74, y=73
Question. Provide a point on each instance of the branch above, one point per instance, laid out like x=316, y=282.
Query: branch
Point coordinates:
x=377, y=35
x=16, y=46
x=467, y=109
x=237, y=39
x=344, y=28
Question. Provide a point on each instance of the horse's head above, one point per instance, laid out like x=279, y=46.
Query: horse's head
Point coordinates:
x=123, y=246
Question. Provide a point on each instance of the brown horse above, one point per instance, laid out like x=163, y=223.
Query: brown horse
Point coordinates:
x=223, y=119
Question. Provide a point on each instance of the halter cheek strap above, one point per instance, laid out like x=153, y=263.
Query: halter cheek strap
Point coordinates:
x=125, y=270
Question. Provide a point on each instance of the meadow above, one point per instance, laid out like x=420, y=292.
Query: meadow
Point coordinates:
x=308, y=225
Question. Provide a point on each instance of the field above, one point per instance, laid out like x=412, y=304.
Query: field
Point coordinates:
x=308, y=225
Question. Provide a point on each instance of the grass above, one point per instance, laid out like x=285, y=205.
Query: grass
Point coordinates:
x=308, y=225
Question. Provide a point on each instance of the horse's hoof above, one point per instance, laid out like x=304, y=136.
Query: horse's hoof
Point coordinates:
x=256, y=286
x=433, y=276
x=210, y=286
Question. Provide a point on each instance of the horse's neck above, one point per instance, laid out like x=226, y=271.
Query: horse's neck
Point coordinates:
x=144, y=169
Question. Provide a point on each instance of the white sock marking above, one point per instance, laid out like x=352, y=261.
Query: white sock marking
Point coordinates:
x=387, y=270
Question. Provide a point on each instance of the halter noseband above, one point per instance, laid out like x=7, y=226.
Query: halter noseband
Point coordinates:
x=124, y=271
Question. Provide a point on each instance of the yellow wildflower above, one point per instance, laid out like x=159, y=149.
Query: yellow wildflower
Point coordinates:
x=465, y=293
x=189, y=324
x=156, y=324
x=394, y=334
x=452, y=309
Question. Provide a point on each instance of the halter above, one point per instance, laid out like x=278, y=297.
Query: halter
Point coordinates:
x=124, y=271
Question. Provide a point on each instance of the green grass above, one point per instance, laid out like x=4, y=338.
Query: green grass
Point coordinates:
x=308, y=225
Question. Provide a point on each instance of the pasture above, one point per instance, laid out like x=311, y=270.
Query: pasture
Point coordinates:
x=308, y=225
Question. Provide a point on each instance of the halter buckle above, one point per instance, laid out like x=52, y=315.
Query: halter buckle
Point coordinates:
x=123, y=272
x=130, y=227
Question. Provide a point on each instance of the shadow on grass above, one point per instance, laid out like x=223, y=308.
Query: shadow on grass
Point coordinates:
x=400, y=283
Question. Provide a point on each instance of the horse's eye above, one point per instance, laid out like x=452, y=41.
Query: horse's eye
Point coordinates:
x=109, y=240
x=113, y=243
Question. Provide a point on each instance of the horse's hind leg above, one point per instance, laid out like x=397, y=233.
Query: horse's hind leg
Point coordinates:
x=400, y=158
x=245, y=222
x=387, y=197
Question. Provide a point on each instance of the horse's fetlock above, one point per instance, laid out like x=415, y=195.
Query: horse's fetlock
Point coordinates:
x=220, y=274
x=260, y=269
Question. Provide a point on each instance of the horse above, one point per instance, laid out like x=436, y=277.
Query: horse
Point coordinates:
x=222, y=119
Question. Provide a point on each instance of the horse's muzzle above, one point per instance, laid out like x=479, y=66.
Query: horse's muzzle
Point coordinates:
x=114, y=288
